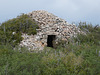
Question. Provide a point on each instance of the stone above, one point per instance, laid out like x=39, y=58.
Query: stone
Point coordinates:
x=13, y=33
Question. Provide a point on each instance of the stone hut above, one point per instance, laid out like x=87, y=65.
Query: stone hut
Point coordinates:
x=51, y=28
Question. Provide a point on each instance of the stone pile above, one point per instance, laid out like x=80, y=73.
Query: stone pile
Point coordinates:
x=30, y=42
x=49, y=24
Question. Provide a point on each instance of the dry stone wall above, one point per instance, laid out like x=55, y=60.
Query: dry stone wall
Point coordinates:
x=49, y=24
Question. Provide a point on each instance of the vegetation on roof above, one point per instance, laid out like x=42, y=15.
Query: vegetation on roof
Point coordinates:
x=11, y=30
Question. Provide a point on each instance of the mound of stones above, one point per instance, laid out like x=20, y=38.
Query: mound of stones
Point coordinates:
x=49, y=24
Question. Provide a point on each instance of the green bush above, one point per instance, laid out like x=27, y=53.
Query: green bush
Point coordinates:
x=19, y=25
x=92, y=34
x=80, y=60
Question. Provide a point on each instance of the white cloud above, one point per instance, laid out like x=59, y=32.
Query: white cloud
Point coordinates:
x=77, y=10
x=67, y=5
x=77, y=5
x=71, y=10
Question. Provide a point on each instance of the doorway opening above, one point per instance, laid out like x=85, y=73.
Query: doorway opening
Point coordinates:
x=50, y=40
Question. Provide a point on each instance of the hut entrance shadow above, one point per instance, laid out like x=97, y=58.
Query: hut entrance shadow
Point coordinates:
x=50, y=40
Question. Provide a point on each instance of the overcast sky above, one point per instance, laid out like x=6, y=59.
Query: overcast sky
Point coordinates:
x=70, y=10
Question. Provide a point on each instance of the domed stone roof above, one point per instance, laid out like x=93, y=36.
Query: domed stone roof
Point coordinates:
x=51, y=28
x=46, y=18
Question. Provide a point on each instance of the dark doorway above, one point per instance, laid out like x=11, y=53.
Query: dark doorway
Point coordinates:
x=50, y=40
